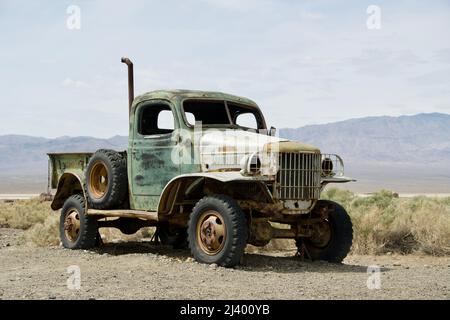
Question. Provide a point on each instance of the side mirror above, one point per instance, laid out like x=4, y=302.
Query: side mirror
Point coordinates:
x=272, y=131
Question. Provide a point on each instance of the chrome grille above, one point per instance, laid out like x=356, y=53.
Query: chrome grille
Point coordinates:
x=299, y=176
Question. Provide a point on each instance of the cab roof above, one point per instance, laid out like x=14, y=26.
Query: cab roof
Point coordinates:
x=184, y=94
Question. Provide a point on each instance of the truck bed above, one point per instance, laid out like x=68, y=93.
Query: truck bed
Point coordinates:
x=59, y=163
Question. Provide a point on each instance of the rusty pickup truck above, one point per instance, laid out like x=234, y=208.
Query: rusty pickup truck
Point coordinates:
x=204, y=169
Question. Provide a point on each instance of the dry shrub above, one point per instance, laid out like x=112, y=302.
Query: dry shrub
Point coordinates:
x=23, y=214
x=430, y=226
x=45, y=233
x=383, y=222
x=35, y=216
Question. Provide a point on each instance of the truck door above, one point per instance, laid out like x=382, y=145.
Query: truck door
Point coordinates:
x=150, y=153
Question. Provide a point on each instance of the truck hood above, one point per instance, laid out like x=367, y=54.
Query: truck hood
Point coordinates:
x=224, y=149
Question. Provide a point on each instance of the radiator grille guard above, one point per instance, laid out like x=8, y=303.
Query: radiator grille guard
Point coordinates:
x=299, y=176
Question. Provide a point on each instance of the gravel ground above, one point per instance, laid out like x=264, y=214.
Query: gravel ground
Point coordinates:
x=146, y=271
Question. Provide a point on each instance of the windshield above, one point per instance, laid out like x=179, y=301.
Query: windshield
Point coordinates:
x=222, y=113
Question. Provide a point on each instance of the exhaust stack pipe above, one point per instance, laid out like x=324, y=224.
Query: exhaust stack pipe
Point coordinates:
x=130, y=82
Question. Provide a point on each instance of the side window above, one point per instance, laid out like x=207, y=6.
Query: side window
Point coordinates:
x=166, y=120
x=155, y=119
x=246, y=116
x=190, y=118
x=247, y=120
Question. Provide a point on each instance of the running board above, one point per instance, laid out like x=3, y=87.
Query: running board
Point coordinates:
x=147, y=215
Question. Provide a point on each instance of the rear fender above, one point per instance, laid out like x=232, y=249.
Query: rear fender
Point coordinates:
x=69, y=184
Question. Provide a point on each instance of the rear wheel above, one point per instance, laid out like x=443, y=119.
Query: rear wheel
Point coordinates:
x=77, y=230
x=217, y=231
x=106, y=179
x=332, y=238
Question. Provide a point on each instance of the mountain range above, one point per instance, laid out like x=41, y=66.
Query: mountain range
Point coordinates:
x=419, y=139
x=385, y=151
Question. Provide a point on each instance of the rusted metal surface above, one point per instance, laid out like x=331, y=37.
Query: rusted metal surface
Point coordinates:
x=147, y=215
x=70, y=183
x=213, y=182
x=129, y=64
x=261, y=232
x=61, y=163
x=72, y=225
x=67, y=175
x=321, y=234
x=211, y=232
x=98, y=180
x=298, y=176
x=278, y=207
x=332, y=165
x=284, y=145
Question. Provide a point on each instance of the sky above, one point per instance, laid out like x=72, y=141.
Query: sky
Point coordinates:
x=303, y=62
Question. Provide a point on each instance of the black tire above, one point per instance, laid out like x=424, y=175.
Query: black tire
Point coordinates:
x=235, y=230
x=116, y=187
x=175, y=238
x=86, y=237
x=341, y=238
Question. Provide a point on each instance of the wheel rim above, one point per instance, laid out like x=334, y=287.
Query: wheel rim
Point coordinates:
x=211, y=232
x=98, y=180
x=72, y=225
x=322, y=234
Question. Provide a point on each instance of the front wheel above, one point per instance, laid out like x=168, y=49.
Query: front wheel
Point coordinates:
x=331, y=238
x=76, y=229
x=217, y=231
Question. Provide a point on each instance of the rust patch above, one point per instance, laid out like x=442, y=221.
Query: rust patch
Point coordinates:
x=139, y=180
x=149, y=160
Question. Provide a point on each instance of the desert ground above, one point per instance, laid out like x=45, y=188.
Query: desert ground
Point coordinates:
x=401, y=250
x=148, y=271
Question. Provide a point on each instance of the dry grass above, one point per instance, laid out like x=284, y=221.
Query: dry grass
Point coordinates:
x=42, y=223
x=34, y=216
x=45, y=233
x=23, y=214
x=381, y=223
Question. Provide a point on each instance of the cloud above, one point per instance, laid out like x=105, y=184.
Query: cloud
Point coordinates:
x=442, y=55
x=238, y=5
x=70, y=83
x=382, y=62
x=302, y=61
x=435, y=78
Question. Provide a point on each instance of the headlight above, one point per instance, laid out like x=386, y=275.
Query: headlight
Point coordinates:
x=251, y=164
x=254, y=164
x=327, y=166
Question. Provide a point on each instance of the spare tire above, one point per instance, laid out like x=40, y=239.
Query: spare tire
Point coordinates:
x=106, y=179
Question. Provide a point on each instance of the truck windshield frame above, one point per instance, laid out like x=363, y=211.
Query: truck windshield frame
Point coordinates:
x=227, y=119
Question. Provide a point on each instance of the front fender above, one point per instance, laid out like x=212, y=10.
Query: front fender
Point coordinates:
x=69, y=184
x=182, y=184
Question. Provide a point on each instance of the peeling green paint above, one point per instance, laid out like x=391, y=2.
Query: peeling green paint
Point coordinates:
x=67, y=162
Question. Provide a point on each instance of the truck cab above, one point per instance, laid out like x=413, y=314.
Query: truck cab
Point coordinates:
x=166, y=129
